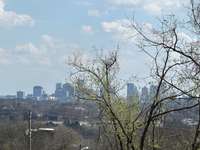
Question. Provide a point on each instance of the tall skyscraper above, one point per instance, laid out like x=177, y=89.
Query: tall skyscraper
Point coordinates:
x=37, y=91
x=152, y=91
x=144, y=97
x=132, y=92
x=59, y=93
x=68, y=90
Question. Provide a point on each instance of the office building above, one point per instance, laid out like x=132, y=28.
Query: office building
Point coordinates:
x=64, y=92
x=37, y=91
x=132, y=92
x=144, y=97
x=20, y=95
x=68, y=90
x=59, y=94
x=152, y=92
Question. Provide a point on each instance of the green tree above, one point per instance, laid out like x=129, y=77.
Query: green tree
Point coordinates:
x=119, y=121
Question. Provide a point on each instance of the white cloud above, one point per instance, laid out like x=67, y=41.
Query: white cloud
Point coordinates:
x=11, y=18
x=159, y=6
x=155, y=7
x=123, y=31
x=50, y=42
x=28, y=49
x=30, y=53
x=120, y=28
x=44, y=53
x=87, y=29
x=128, y=3
x=94, y=13
x=83, y=3
x=186, y=38
x=48, y=52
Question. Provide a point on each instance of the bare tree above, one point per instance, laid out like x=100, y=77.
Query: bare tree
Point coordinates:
x=176, y=67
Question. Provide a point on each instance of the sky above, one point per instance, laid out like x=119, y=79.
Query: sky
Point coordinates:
x=37, y=37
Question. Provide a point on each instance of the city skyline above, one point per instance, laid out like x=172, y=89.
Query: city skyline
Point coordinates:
x=66, y=91
x=43, y=88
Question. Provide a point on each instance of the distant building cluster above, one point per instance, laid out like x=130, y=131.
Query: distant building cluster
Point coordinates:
x=63, y=93
x=144, y=96
x=67, y=93
x=38, y=94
